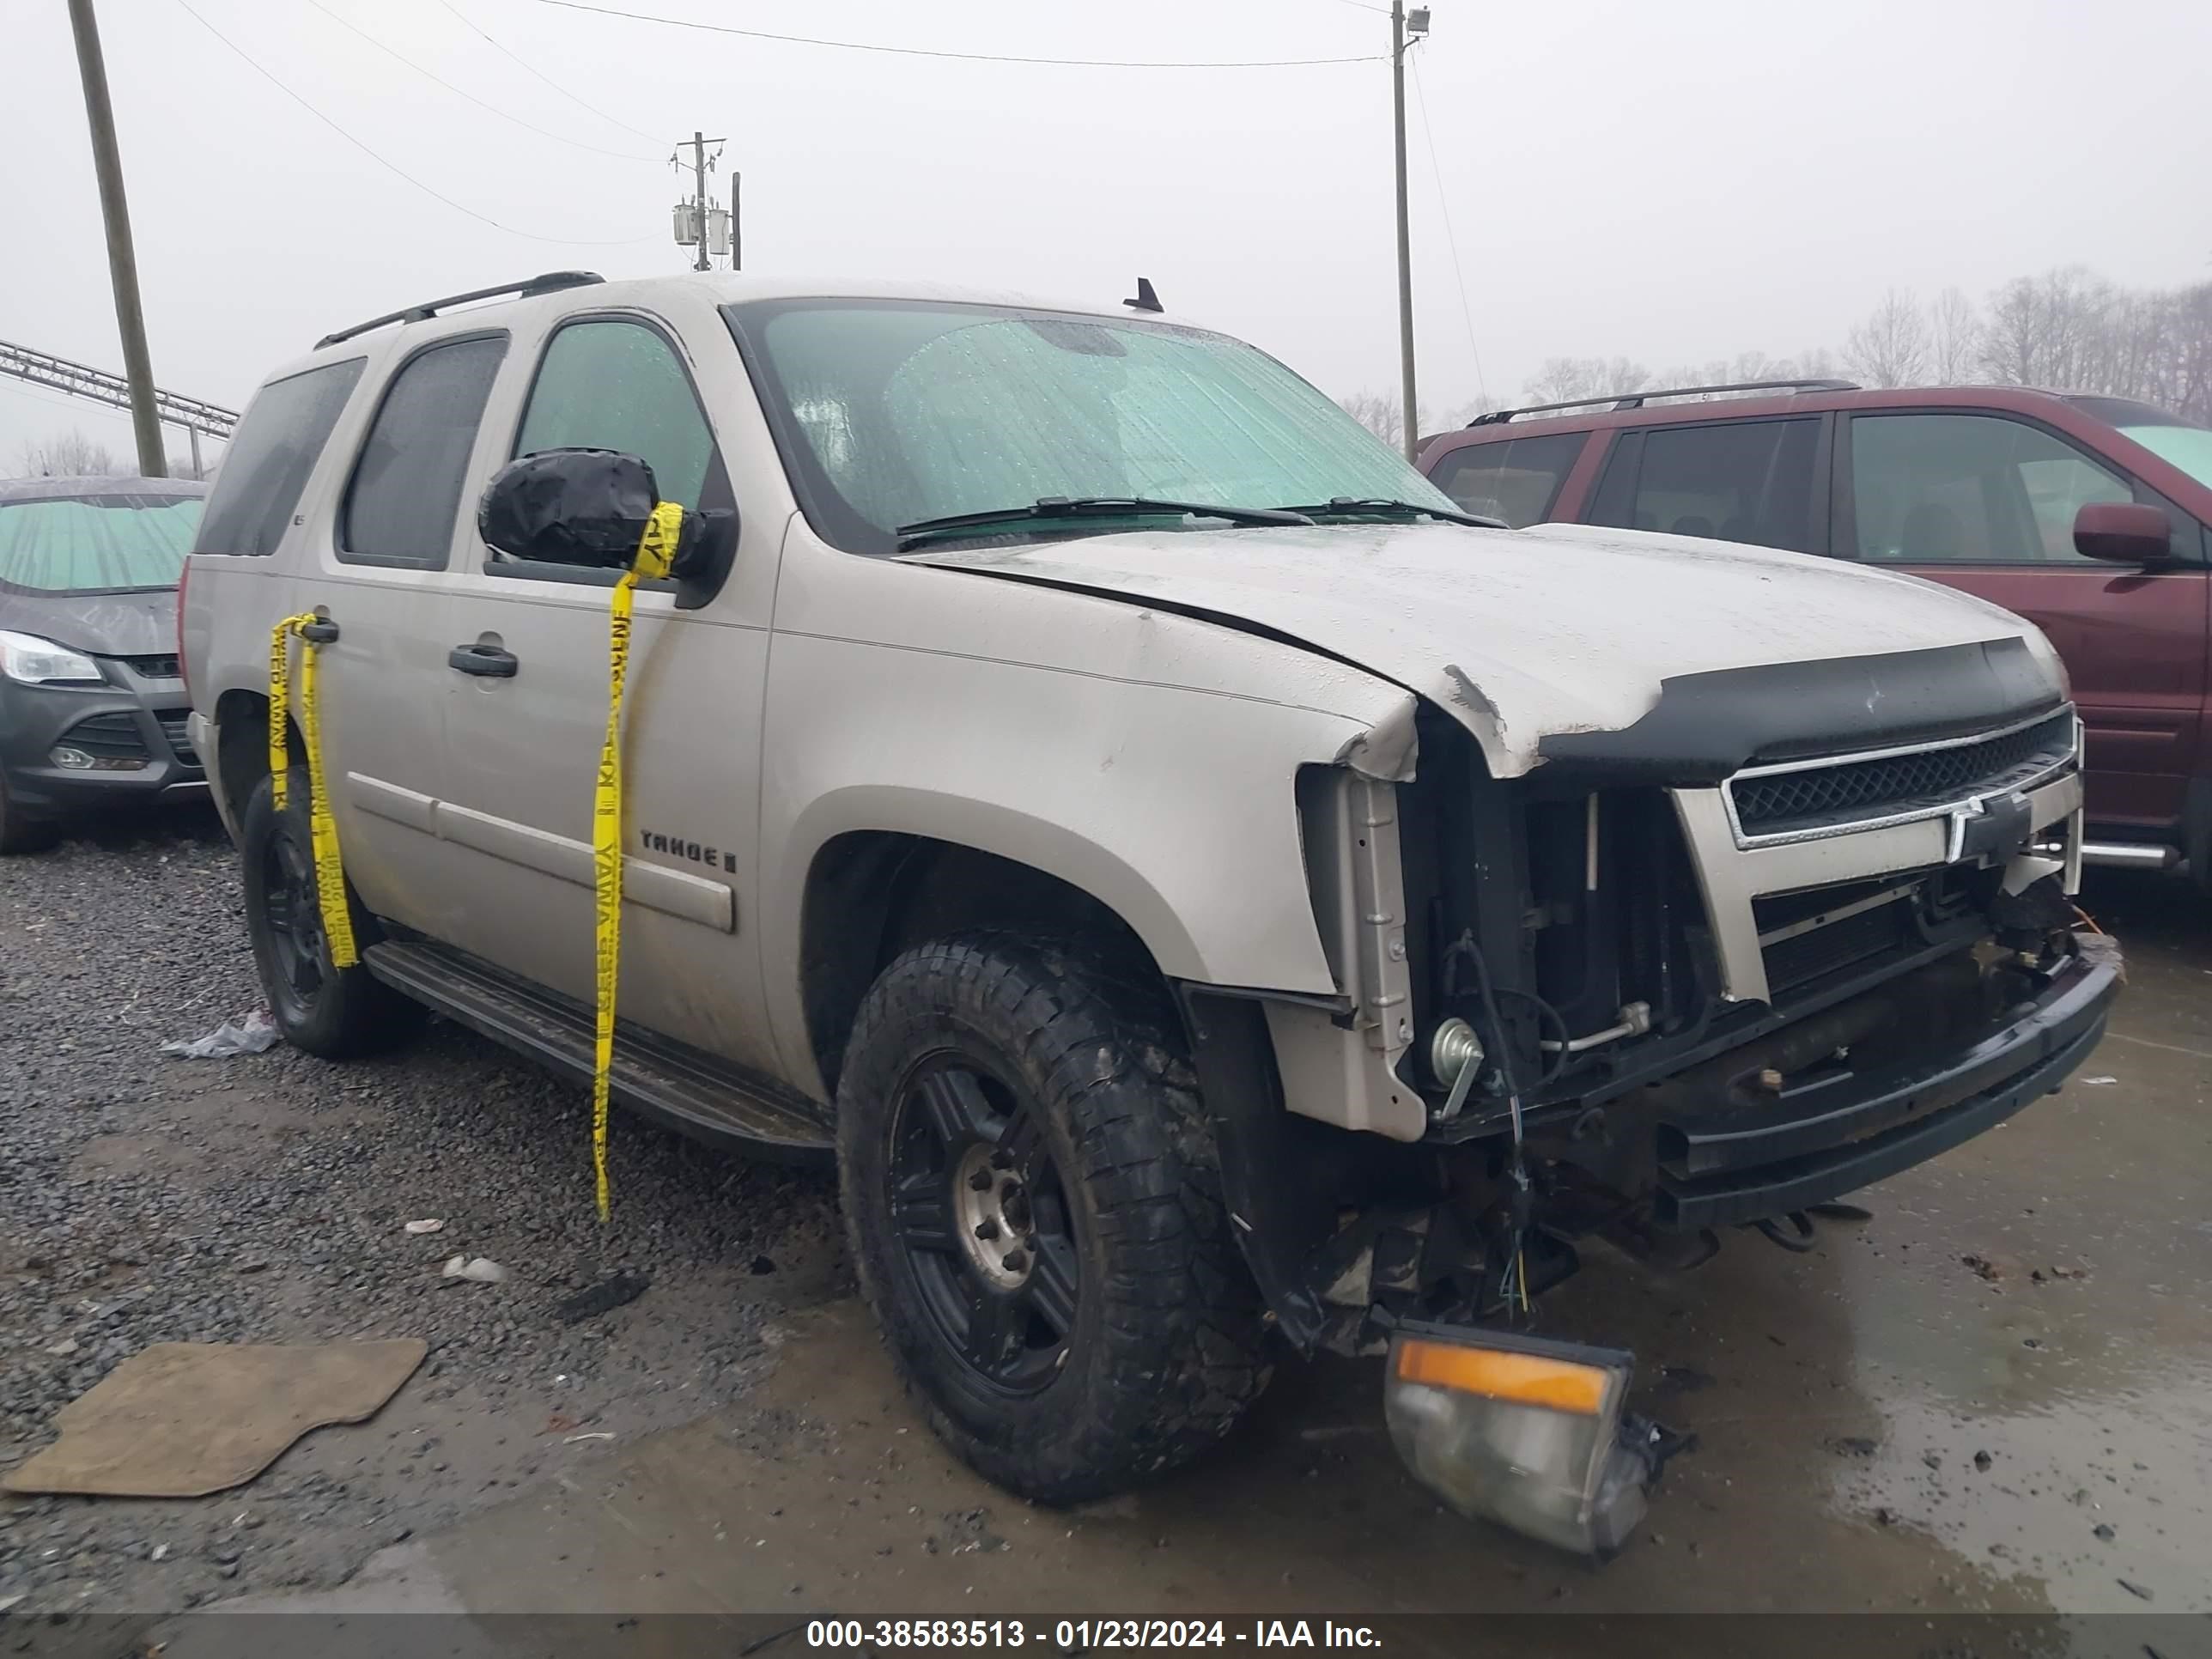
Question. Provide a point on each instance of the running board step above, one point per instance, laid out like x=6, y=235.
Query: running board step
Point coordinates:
x=678, y=1085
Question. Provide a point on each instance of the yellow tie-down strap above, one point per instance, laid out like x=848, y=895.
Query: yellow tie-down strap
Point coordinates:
x=322, y=829
x=656, y=557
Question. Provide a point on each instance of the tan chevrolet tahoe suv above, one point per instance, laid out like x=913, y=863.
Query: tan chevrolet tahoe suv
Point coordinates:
x=1211, y=896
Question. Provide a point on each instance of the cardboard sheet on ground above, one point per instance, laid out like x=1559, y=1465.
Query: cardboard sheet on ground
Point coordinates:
x=181, y=1419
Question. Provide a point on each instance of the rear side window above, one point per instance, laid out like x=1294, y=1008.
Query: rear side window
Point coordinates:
x=268, y=459
x=608, y=383
x=1515, y=479
x=406, y=484
x=1970, y=489
x=1746, y=481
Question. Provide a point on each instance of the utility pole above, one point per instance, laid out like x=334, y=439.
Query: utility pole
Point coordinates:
x=699, y=184
x=1404, y=30
x=122, y=260
x=695, y=220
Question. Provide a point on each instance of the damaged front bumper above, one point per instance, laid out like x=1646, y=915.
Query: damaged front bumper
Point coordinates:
x=1834, y=1129
x=1534, y=1434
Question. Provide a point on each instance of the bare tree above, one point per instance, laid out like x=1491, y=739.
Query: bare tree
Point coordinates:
x=1890, y=346
x=2050, y=330
x=1814, y=363
x=1561, y=379
x=1955, y=338
x=2067, y=329
x=1478, y=406
x=1379, y=412
x=2189, y=391
x=71, y=455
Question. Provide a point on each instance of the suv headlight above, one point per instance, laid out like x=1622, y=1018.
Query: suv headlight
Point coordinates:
x=1519, y=1431
x=34, y=661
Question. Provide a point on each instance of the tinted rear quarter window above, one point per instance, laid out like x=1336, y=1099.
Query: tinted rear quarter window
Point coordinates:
x=1741, y=481
x=406, y=484
x=1515, y=479
x=268, y=462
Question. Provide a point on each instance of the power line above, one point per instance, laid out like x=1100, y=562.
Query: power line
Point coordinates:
x=393, y=167
x=1451, y=240
x=965, y=56
x=524, y=64
x=462, y=92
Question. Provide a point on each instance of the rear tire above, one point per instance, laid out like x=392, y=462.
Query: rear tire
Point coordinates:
x=18, y=834
x=1034, y=1211
x=333, y=1013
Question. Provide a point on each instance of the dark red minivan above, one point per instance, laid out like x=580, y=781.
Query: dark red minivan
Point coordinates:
x=2092, y=516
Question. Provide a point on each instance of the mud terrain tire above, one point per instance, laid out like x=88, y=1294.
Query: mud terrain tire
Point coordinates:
x=335, y=1014
x=1086, y=1124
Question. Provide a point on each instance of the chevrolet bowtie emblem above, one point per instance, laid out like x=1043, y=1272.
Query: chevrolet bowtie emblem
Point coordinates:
x=1988, y=827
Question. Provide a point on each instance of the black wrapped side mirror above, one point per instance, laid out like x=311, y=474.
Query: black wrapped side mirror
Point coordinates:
x=586, y=507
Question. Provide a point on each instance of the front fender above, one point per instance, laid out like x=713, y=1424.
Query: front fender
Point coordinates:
x=1176, y=806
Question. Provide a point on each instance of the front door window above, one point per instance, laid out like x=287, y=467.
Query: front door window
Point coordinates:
x=1970, y=489
x=609, y=383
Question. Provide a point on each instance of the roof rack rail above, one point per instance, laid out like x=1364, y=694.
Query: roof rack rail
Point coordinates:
x=551, y=282
x=1637, y=399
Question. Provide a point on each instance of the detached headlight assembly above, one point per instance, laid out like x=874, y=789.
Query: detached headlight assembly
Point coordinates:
x=30, y=660
x=1525, y=1432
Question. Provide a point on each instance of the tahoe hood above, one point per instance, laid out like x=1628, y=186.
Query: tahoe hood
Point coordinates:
x=1525, y=634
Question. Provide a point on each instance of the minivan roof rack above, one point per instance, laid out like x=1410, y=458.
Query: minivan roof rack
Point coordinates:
x=1637, y=399
x=551, y=282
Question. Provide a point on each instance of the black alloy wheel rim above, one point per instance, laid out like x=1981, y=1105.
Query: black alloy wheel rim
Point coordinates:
x=981, y=1220
x=292, y=907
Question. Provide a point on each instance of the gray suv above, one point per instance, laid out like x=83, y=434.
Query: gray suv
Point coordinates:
x=1212, y=897
x=92, y=706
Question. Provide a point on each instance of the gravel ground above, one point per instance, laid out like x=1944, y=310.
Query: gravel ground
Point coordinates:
x=144, y=1200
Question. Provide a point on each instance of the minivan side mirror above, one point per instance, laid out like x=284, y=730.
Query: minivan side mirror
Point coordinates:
x=575, y=506
x=2124, y=532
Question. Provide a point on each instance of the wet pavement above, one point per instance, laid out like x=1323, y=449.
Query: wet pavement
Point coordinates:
x=1993, y=1396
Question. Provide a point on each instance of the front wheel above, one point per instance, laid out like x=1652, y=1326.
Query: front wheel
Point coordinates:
x=1035, y=1216
x=18, y=834
x=332, y=1013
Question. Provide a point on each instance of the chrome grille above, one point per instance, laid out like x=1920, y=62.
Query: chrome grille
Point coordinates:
x=1818, y=795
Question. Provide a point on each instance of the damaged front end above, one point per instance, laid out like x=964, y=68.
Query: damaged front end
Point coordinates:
x=1641, y=995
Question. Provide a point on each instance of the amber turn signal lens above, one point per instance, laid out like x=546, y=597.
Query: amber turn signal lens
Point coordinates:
x=1499, y=1374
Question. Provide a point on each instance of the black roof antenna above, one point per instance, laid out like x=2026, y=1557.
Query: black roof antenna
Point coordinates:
x=1146, y=299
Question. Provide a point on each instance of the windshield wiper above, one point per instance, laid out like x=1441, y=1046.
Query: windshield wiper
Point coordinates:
x=1088, y=507
x=1371, y=507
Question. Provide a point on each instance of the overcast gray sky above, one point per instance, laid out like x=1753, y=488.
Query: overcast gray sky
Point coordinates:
x=1675, y=179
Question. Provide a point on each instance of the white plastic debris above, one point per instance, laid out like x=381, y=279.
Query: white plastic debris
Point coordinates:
x=2102, y=951
x=482, y=1269
x=256, y=1033
x=2099, y=1079
x=426, y=1226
